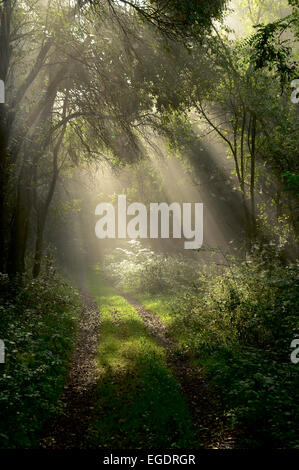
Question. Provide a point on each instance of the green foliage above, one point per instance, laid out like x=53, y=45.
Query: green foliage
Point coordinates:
x=178, y=18
x=139, y=269
x=291, y=185
x=239, y=328
x=272, y=52
x=260, y=393
x=237, y=324
x=38, y=325
x=246, y=305
x=292, y=182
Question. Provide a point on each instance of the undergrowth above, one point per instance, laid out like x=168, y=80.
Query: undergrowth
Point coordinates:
x=237, y=325
x=38, y=326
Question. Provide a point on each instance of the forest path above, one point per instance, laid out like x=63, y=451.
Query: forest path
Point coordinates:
x=127, y=387
x=203, y=399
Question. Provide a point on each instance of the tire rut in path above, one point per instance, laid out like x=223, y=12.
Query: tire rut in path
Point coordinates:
x=203, y=399
x=68, y=429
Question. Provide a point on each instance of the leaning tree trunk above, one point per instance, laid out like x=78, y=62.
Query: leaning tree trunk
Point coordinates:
x=42, y=213
x=41, y=220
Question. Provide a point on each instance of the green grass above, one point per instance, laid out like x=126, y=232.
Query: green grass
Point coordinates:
x=138, y=400
x=158, y=304
x=162, y=306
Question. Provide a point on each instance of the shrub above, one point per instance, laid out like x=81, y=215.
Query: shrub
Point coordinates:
x=138, y=269
x=237, y=324
x=239, y=328
x=38, y=327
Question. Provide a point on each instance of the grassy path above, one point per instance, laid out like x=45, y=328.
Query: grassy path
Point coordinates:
x=203, y=399
x=127, y=387
x=139, y=402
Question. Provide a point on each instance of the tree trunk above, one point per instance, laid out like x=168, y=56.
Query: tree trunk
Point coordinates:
x=252, y=179
x=38, y=246
x=44, y=209
x=20, y=224
x=3, y=192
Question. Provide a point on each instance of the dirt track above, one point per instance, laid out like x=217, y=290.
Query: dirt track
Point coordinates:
x=77, y=402
x=69, y=428
x=204, y=401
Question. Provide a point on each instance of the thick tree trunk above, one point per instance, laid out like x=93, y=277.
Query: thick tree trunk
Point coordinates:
x=3, y=192
x=5, y=21
x=20, y=225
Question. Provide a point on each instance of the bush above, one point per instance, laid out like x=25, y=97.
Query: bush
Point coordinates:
x=237, y=324
x=38, y=325
x=138, y=269
x=239, y=328
x=260, y=393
